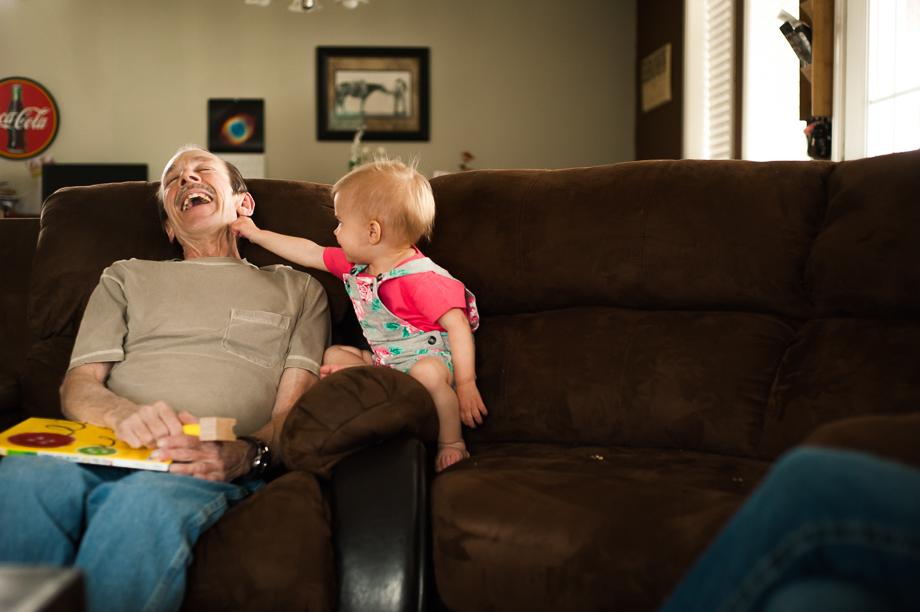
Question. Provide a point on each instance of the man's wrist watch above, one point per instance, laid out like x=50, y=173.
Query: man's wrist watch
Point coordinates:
x=260, y=461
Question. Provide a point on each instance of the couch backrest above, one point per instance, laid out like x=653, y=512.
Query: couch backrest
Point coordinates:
x=718, y=306
x=665, y=303
x=860, y=352
x=865, y=262
x=675, y=235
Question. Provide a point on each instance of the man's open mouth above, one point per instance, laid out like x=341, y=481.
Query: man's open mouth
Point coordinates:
x=194, y=199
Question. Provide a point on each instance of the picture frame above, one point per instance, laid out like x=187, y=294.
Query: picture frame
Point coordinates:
x=236, y=125
x=383, y=89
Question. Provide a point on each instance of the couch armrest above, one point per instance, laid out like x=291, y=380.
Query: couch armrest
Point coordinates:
x=365, y=428
x=381, y=538
x=10, y=400
x=890, y=436
x=354, y=409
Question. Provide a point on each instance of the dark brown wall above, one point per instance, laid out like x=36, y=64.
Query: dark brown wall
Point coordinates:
x=659, y=132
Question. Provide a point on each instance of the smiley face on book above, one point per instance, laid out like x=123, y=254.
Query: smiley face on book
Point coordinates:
x=97, y=451
x=40, y=439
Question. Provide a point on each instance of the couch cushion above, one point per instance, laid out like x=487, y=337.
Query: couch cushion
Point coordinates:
x=688, y=235
x=840, y=368
x=864, y=262
x=543, y=527
x=273, y=551
x=685, y=380
x=351, y=410
x=42, y=376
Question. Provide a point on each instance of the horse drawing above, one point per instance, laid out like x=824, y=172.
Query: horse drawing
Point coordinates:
x=362, y=90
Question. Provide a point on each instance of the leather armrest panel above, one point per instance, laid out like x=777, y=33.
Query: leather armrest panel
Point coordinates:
x=381, y=539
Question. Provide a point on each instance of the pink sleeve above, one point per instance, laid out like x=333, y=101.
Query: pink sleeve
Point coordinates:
x=433, y=294
x=335, y=261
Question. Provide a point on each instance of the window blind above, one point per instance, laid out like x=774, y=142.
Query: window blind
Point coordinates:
x=719, y=103
x=894, y=76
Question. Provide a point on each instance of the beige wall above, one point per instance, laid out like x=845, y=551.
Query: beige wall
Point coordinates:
x=519, y=83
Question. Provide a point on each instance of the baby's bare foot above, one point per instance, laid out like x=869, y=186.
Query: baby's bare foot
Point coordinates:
x=331, y=368
x=449, y=453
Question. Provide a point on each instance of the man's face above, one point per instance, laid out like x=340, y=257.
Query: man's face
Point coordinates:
x=197, y=196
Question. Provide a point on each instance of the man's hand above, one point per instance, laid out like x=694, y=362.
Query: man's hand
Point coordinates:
x=472, y=409
x=215, y=461
x=144, y=426
x=84, y=397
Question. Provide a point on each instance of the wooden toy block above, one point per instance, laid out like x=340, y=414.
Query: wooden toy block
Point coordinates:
x=212, y=429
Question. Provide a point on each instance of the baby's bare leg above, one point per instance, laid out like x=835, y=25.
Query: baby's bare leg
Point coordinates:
x=338, y=357
x=437, y=378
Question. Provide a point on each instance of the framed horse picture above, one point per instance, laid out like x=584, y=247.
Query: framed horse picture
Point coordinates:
x=384, y=90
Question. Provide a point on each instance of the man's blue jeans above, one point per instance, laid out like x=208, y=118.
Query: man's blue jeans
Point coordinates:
x=130, y=531
x=827, y=530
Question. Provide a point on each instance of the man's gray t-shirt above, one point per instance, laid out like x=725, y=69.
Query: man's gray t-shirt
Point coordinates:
x=210, y=336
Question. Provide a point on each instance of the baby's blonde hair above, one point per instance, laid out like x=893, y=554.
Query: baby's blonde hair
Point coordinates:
x=394, y=194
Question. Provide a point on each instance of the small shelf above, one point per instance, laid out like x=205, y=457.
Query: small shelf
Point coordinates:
x=816, y=83
x=806, y=72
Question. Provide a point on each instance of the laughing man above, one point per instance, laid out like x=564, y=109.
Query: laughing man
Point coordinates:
x=163, y=343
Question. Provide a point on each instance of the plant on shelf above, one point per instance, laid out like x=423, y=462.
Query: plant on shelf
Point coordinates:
x=361, y=154
x=356, y=153
x=465, y=158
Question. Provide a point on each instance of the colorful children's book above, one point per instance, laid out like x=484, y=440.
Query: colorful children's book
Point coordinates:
x=75, y=441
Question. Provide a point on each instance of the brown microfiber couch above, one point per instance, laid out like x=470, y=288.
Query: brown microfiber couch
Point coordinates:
x=17, y=241
x=654, y=334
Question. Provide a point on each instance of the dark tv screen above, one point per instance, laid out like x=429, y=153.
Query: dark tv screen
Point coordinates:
x=55, y=176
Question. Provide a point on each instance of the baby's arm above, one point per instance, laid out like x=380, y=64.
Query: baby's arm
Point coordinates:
x=463, y=352
x=299, y=250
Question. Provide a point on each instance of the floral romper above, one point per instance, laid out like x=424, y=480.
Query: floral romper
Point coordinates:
x=396, y=343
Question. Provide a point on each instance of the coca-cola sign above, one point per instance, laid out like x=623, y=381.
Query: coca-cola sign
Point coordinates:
x=28, y=118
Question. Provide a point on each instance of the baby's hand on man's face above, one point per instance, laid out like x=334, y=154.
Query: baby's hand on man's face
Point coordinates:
x=244, y=227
